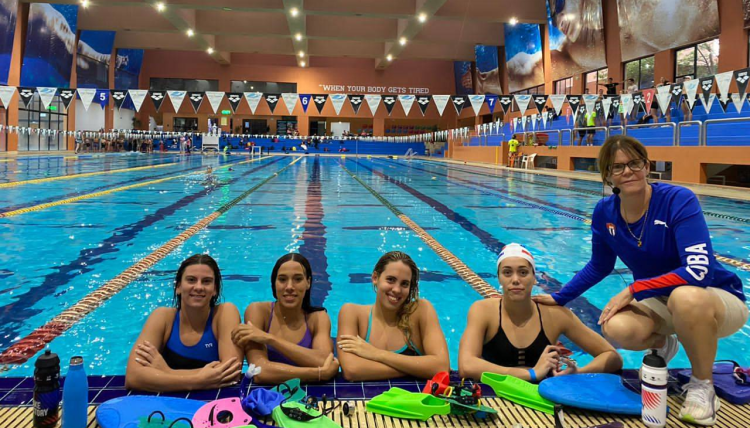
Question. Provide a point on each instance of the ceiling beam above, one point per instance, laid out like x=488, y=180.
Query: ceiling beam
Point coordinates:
x=408, y=30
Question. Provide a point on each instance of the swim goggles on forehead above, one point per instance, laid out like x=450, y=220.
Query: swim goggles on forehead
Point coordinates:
x=555, y=7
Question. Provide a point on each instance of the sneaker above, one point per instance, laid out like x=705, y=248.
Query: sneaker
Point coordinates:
x=701, y=403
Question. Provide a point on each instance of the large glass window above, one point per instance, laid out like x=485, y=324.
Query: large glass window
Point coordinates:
x=36, y=117
x=265, y=87
x=700, y=60
x=190, y=85
x=564, y=86
x=594, y=79
x=642, y=71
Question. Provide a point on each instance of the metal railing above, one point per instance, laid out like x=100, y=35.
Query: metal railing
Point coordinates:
x=678, y=136
x=588, y=128
x=704, y=131
x=655, y=125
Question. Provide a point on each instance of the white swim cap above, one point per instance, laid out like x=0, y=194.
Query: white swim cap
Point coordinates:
x=516, y=250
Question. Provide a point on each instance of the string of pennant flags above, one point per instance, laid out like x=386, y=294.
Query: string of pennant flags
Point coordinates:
x=606, y=105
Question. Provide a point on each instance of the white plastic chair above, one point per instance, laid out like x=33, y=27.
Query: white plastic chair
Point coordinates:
x=528, y=160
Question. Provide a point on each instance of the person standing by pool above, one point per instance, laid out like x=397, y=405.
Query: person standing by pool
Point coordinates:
x=682, y=294
x=513, y=150
x=288, y=338
x=399, y=335
x=189, y=347
x=514, y=336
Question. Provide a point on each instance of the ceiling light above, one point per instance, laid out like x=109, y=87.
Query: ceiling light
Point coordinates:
x=422, y=17
x=301, y=54
x=302, y=63
x=252, y=87
x=160, y=6
x=513, y=21
x=294, y=11
x=244, y=81
x=85, y=3
x=389, y=57
x=190, y=32
x=298, y=36
x=210, y=50
x=402, y=41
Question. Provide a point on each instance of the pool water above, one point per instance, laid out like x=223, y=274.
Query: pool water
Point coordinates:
x=55, y=255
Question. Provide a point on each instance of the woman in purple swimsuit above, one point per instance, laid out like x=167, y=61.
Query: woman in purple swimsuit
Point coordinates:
x=288, y=338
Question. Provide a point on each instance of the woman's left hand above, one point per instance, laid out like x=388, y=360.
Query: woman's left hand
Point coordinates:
x=244, y=333
x=617, y=303
x=358, y=346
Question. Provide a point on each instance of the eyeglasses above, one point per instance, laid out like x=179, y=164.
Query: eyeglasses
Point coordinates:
x=635, y=165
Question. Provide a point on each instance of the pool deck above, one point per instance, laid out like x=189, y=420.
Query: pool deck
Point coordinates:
x=509, y=415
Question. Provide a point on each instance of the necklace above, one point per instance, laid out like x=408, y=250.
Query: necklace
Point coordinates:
x=645, y=222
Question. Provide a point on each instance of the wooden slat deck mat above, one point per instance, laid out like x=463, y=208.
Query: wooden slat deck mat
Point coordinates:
x=509, y=415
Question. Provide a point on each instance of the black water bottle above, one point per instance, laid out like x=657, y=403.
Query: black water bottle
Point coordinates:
x=47, y=393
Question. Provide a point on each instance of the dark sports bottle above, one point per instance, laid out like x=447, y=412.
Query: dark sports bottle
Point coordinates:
x=47, y=390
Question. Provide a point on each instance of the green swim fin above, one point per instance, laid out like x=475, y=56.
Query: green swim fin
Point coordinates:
x=400, y=403
x=518, y=391
x=285, y=421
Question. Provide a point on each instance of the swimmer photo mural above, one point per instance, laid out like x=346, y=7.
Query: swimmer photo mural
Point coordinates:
x=650, y=26
x=128, y=68
x=523, y=53
x=8, y=10
x=462, y=74
x=488, y=70
x=94, y=53
x=50, y=41
x=576, y=36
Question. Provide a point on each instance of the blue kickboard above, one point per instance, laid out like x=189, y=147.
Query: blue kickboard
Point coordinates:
x=126, y=412
x=600, y=392
x=724, y=383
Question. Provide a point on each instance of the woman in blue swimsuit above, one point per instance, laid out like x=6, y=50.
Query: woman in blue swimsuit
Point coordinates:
x=188, y=347
x=288, y=338
x=402, y=334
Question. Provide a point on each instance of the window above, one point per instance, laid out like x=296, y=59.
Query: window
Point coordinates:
x=265, y=87
x=594, y=79
x=531, y=91
x=700, y=60
x=564, y=86
x=642, y=71
x=190, y=85
x=36, y=117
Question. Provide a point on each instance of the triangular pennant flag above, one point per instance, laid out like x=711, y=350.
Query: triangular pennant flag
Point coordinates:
x=533, y=121
x=707, y=104
x=540, y=101
x=648, y=99
x=356, y=102
x=389, y=102
x=176, y=97
x=739, y=101
x=373, y=101
x=304, y=99
x=690, y=89
x=157, y=97
x=406, y=102
x=87, y=95
x=664, y=96
x=627, y=103
x=196, y=99
x=523, y=102
x=724, y=103
x=723, y=80
x=215, y=98
x=272, y=100
x=290, y=100
x=102, y=96
x=440, y=102
x=741, y=77
x=423, y=101
x=522, y=122
x=459, y=102
x=598, y=109
x=234, y=100
x=707, y=85
x=676, y=90
x=46, y=95
x=320, y=101
x=637, y=101
x=589, y=100
x=476, y=103
x=557, y=102
x=607, y=105
x=6, y=94
x=119, y=97
x=545, y=116
x=574, y=101
x=506, y=101
x=338, y=101
x=137, y=96
x=27, y=94
x=67, y=96
x=491, y=101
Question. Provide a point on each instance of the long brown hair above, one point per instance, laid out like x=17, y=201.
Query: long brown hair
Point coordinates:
x=408, y=308
x=307, y=307
x=607, y=154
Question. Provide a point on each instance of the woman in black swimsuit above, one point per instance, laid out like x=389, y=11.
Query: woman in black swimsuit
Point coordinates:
x=515, y=336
